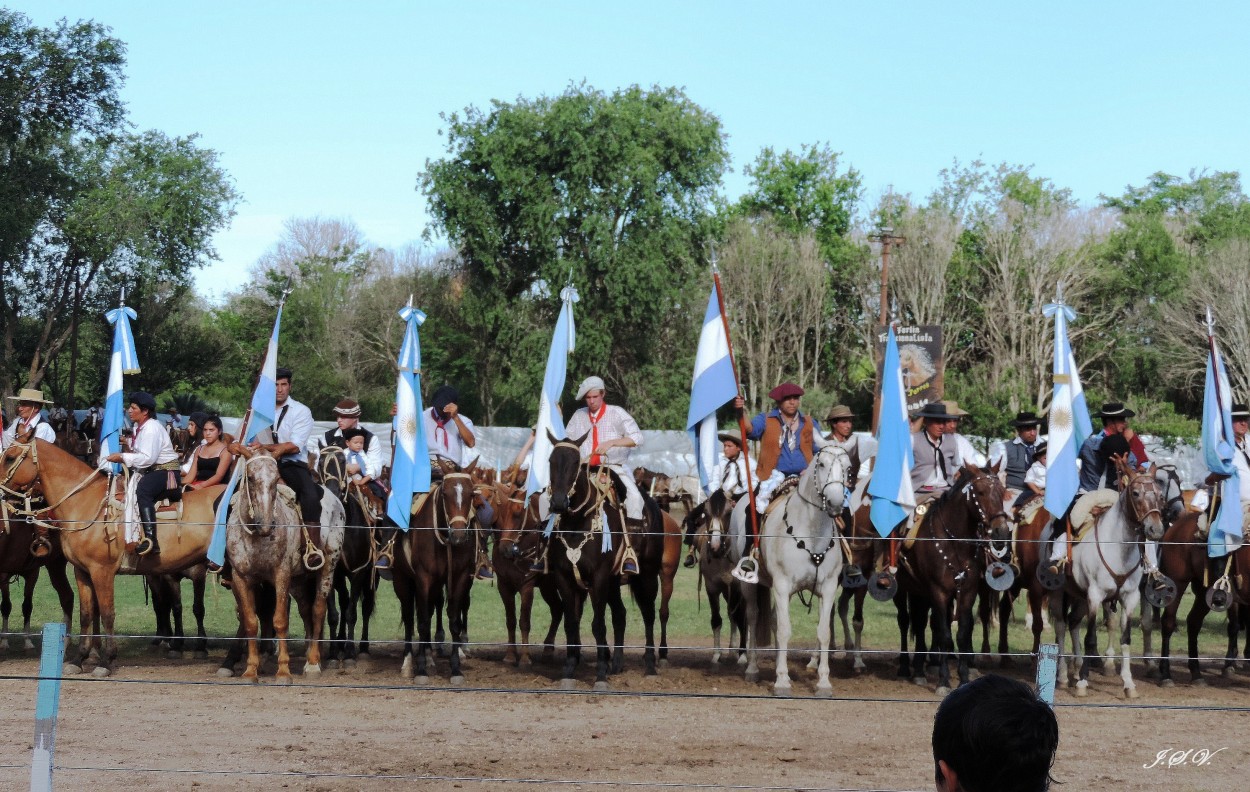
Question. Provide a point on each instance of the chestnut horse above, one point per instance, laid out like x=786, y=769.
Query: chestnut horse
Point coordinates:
x=517, y=549
x=437, y=554
x=943, y=570
x=710, y=521
x=92, y=536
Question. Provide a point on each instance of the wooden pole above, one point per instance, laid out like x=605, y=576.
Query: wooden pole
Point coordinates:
x=752, y=522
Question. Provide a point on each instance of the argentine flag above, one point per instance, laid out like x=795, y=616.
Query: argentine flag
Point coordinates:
x=890, y=486
x=563, y=342
x=713, y=385
x=1217, y=451
x=259, y=418
x=410, y=470
x=1069, y=418
x=123, y=361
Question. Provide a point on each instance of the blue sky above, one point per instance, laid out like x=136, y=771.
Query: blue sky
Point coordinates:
x=331, y=109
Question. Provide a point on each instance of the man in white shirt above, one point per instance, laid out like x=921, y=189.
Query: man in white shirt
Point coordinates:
x=447, y=432
x=966, y=453
x=611, y=434
x=151, y=455
x=347, y=416
x=293, y=425
x=29, y=404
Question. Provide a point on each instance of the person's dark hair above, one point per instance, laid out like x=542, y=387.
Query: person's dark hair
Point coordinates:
x=282, y=373
x=997, y=736
x=215, y=421
x=355, y=431
x=1113, y=445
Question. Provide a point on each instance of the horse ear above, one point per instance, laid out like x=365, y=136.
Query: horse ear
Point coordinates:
x=551, y=438
x=994, y=468
x=581, y=439
x=472, y=466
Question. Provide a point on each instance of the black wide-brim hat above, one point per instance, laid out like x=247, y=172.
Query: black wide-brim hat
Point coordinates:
x=934, y=411
x=1240, y=410
x=1114, y=410
x=1025, y=420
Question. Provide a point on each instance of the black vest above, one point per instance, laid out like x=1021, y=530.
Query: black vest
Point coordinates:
x=1018, y=462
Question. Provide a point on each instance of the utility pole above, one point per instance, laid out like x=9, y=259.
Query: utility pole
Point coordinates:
x=887, y=238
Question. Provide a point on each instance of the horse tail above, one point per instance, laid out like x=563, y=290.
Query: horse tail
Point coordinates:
x=764, y=617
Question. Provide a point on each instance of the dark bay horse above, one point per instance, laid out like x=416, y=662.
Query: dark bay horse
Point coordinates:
x=355, y=587
x=942, y=572
x=517, y=549
x=16, y=561
x=710, y=524
x=436, y=557
x=167, y=605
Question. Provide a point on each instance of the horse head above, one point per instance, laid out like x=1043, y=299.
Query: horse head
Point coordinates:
x=509, y=503
x=985, y=495
x=260, y=488
x=1141, y=490
x=716, y=511
x=332, y=470
x=565, y=466
x=827, y=476
x=456, y=489
x=21, y=464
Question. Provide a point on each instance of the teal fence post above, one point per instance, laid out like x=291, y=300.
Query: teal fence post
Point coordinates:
x=1047, y=667
x=47, y=701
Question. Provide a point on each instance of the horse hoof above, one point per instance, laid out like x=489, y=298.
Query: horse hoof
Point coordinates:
x=100, y=672
x=1082, y=689
x=364, y=656
x=742, y=660
x=28, y=645
x=568, y=684
x=524, y=662
x=859, y=668
x=175, y=655
x=824, y=691
x=282, y=679
x=942, y=691
x=663, y=662
x=200, y=654
x=421, y=680
x=251, y=677
x=405, y=669
x=752, y=676
x=457, y=680
x=1229, y=672
x=781, y=691
x=225, y=673
x=71, y=668
x=1130, y=693
x=1166, y=683
x=601, y=687
x=919, y=681
x=1198, y=682
x=312, y=671
x=349, y=663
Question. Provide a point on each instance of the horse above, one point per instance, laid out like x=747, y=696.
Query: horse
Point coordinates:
x=265, y=542
x=1107, y=565
x=800, y=550
x=355, y=587
x=589, y=528
x=862, y=547
x=1026, y=554
x=942, y=571
x=167, y=605
x=516, y=551
x=709, y=524
x=91, y=536
x=437, y=554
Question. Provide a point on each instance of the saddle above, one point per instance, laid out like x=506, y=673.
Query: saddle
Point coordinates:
x=1088, y=508
x=783, y=489
x=913, y=528
x=166, y=509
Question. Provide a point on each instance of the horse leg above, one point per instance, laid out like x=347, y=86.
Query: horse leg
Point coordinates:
x=1006, y=609
x=439, y=603
x=1149, y=615
x=199, y=648
x=249, y=624
x=102, y=582
x=781, y=613
x=155, y=586
x=458, y=618
x=964, y=638
x=572, y=632
x=666, y=594
x=645, y=588
x=355, y=589
x=1230, y=656
x=28, y=607
x=921, y=659
x=844, y=607
x=426, y=608
x=173, y=588
x=943, y=642
x=6, y=608
x=985, y=612
x=368, y=596
x=1108, y=657
x=750, y=598
x=513, y=653
x=1193, y=625
x=552, y=597
x=824, y=634
x=1091, y=628
x=1167, y=625
x=407, y=601
x=599, y=629
x=1127, y=606
x=336, y=612
x=282, y=625
x=313, y=627
x=713, y=601
x=903, y=618
x=617, y=604
x=65, y=594
x=1035, y=610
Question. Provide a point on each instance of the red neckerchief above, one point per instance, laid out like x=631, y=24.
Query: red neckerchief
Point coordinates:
x=596, y=459
x=440, y=424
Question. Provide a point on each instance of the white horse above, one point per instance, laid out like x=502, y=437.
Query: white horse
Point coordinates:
x=800, y=552
x=1107, y=565
x=264, y=540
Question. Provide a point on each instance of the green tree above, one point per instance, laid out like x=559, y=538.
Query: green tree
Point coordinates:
x=611, y=191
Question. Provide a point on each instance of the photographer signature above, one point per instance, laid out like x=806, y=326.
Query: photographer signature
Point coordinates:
x=1176, y=757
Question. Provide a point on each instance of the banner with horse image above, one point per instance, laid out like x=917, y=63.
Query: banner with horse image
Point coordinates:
x=920, y=359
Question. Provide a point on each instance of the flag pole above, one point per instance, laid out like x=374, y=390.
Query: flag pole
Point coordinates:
x=752, y=522
x=1215, y=374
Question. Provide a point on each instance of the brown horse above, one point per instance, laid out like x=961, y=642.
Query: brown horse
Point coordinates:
x=16, y=561
x=709, y=523
x=167, y=605
x=91, y=536
x=1026, y=555
x=517, y=549
x=942, y=572
x=863, y=553
x=437, y=554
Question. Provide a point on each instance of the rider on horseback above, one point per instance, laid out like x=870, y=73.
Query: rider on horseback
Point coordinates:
x=449, y=445
x=610, y=432
x=152, y=456
x=29, y=403
x=729, y=475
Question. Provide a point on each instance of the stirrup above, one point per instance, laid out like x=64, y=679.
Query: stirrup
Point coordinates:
x=691, y=559
x=40, y=547
x=539, y=565
x=853, y=577
x=485, y=571
x=144, y=546
x=747, y=570
x=1160, y=590
x=314, y=559
x=629, y=562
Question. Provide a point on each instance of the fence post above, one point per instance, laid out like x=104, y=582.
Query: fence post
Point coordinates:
x=1047, y=667
x=47, y=701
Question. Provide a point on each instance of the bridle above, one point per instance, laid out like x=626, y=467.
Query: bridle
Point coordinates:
x=819, y=558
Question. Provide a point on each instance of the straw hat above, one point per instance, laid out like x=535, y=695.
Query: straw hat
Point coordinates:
x=29, y=395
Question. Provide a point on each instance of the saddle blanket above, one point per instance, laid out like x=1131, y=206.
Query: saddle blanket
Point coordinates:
x=1088, y=508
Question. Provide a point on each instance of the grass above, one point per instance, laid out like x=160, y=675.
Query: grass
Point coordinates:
x=688, y=624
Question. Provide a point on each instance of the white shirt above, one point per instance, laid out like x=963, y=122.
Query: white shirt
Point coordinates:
x=1242, y=462
x=43, y=430
x=372, y=455
x=613, y=424
x=1036, y=475
x=150, y=446
x=293, y=423
x=966, y=454
x=444, y=441
x=732, y=478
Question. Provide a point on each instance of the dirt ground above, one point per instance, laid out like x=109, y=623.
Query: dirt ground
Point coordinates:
x=368, y=729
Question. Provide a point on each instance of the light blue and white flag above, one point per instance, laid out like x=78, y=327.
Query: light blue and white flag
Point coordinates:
x=123, y=361
x=1218, y=447
x=713, y=385
x=563, y=342
x=410, y=469
x=890, y=487
x=1068, y=418
x=259, y=418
